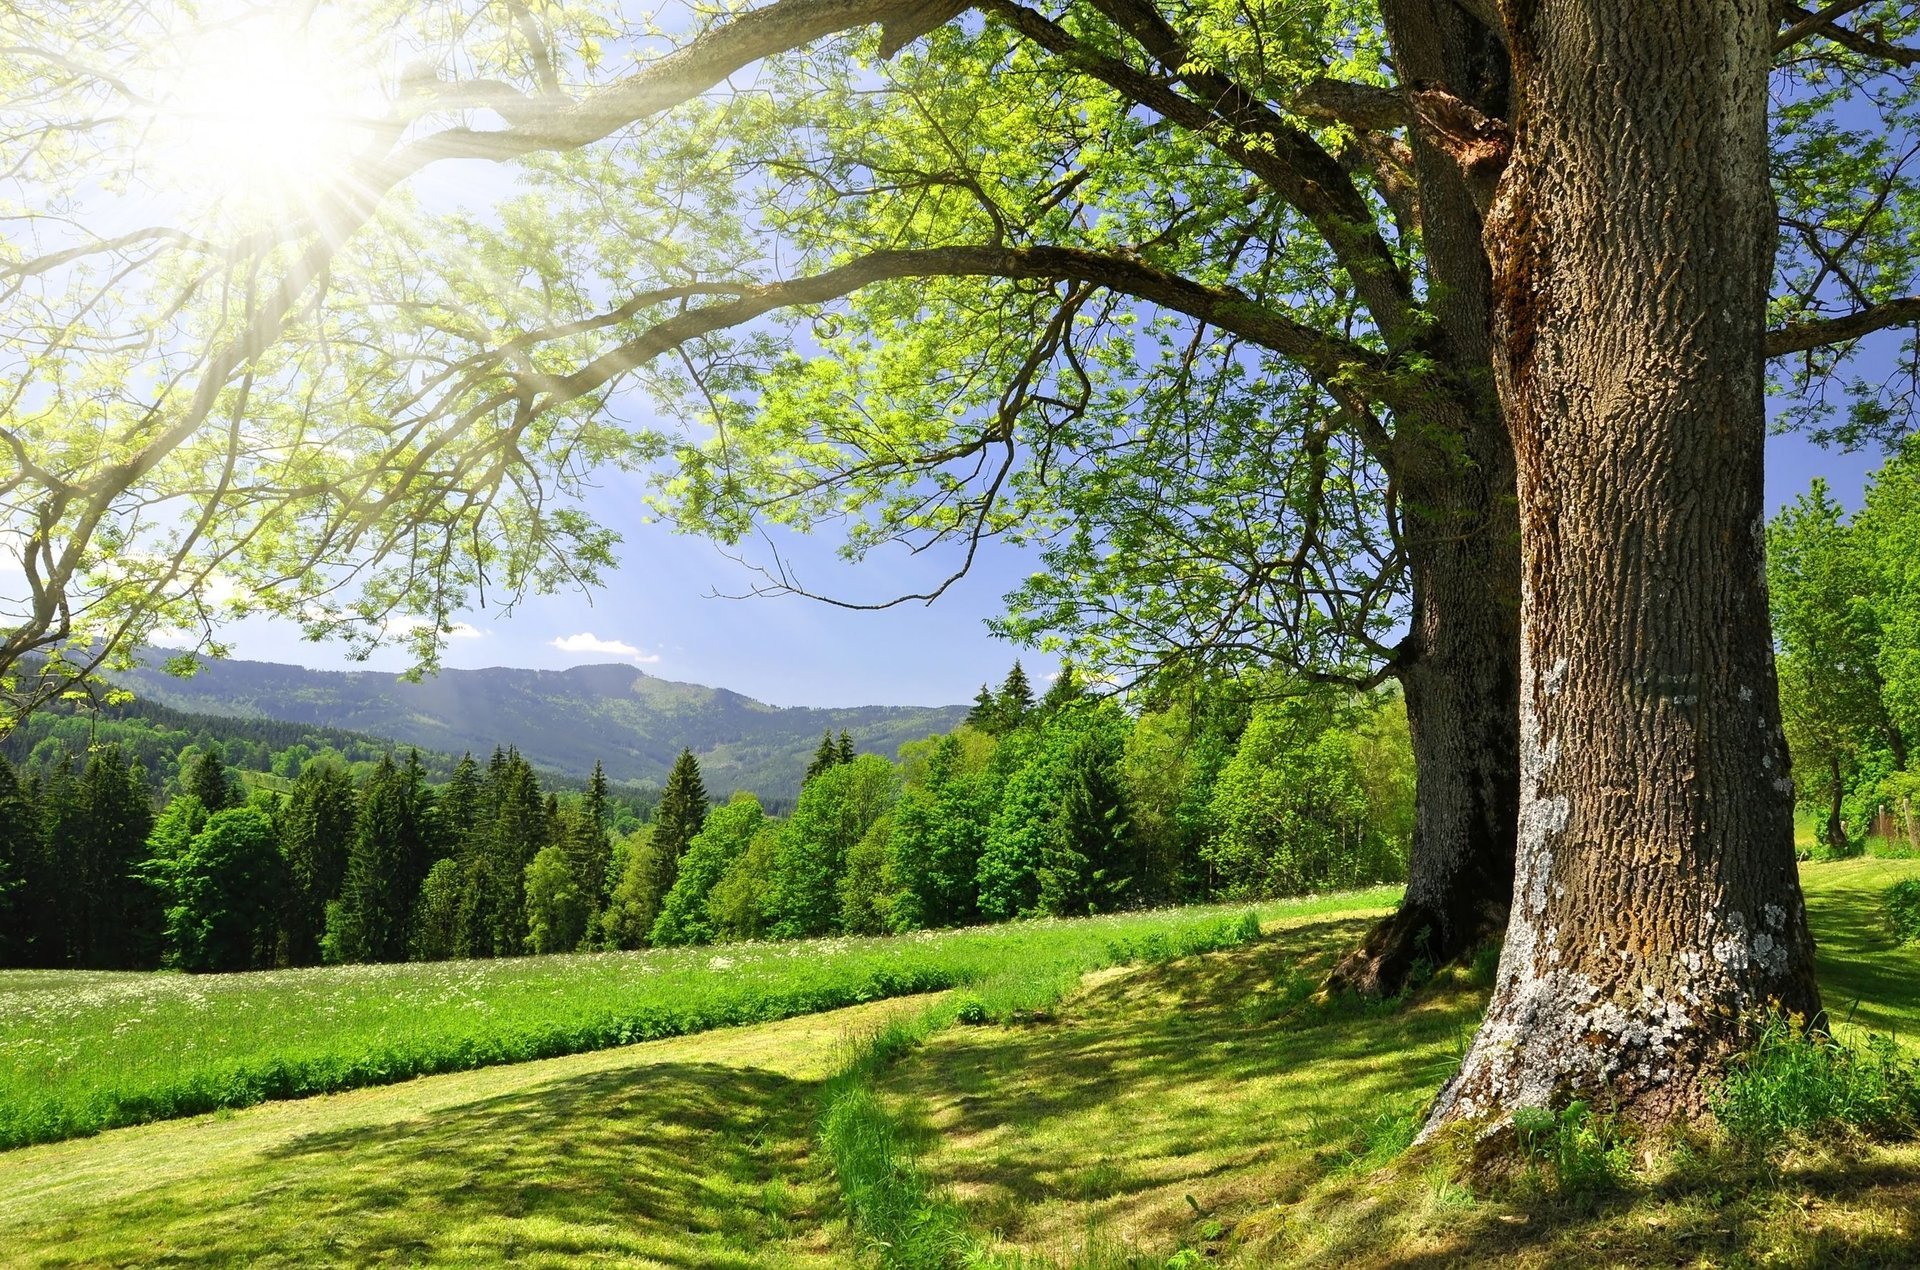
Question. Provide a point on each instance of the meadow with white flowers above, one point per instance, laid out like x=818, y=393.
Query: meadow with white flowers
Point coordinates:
x=83, y=1051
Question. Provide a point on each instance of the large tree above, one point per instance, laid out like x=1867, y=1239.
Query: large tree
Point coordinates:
x=1341, y=280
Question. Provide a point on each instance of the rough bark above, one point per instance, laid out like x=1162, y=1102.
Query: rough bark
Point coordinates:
x=1460, y=665
x=1656, y=907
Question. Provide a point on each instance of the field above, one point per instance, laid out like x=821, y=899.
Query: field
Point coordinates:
x=1199, y=1111
x=81, y=1052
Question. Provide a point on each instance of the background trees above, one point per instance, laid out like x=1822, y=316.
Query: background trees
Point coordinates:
x=1070, y=810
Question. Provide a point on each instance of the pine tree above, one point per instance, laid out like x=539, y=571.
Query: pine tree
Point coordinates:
x=20, y=868
x=63, y=818
x=1065, y=690
x=825, y=756
x=124, y=916
x=370, y=923
x=682, y=810
x=316, y=832
x=983, y=715
x=519, y=832
x=207, y=779
x=1014, y=699
x=461, y=806
x=1089, y=862
x=845, y=753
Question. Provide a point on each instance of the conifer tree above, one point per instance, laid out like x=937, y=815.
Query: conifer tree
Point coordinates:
x=682, y=810
x=1064, y=691
x=316, y=831
x=845, y=753
x=519, y=832
x=825, y=756
x=370, y=923
x=208, y=779
x=983, y=715
x=20, y=868
x=1014, y=699
x=63, y=812
x=461, y=806
x=123, y=911
x=1089, y=863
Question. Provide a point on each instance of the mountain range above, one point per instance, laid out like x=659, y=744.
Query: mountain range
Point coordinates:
x=634, y=723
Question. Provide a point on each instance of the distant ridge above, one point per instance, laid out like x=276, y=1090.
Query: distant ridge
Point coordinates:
x=633, y=722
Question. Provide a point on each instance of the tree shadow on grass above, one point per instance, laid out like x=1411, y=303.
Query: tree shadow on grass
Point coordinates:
x=1867, y=975
x=1729, y=1215
x=1158, y=1094
x=680, y=1164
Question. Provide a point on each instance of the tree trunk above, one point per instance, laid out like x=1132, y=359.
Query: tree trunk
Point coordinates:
x=1460, y=666
x=1657, y=907
x=1460, y=674
x=1837, y=793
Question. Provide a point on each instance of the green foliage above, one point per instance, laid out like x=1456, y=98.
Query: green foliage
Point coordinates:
x=225, y=892
x=1573, y=1151
x=682, y=810
x=557, y=907
x=315, y=832
x=1308, y=801
x=937, y=835
x=634, y=907
x=1902, y=902
x=1795, y=1082
x=868, y=891
x=740, y=901
x=1091, y=861
x=723, y=839
x=835, y=811
x=436, y=914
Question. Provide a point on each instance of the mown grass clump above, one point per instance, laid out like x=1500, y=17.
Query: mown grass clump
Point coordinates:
x=82, y=1052
x=1797, y=1083
x=1902, y=902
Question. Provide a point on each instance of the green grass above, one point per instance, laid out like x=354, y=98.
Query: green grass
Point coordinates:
x=691, y=1152
x=81, y=1052
x=1211, y=1111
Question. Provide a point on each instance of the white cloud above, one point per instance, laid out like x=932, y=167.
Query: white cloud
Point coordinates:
x=588, y=642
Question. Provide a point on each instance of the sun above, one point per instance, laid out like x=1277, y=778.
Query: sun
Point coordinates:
x=261, y=116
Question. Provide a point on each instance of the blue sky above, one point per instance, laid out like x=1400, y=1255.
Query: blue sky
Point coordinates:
x=787, y=650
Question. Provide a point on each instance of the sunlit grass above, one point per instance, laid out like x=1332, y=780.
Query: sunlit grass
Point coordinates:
x=1211, y=1112
x=81, y=1052
x=689, y=1152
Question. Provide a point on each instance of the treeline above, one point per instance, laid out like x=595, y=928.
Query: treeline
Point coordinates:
x=1845, y=595
x=1066, y=805
x=265, y=753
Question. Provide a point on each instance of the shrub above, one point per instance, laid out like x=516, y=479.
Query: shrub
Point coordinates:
x=1902, y=902
x=1796, y=1082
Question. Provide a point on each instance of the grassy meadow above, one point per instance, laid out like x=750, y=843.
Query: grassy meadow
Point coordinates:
x=81, y=1051
x=1168, y=1112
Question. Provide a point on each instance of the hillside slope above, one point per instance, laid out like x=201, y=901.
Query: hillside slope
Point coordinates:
x=634, y=723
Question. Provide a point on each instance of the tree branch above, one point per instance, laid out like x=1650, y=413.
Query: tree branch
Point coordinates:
x=1798, y=337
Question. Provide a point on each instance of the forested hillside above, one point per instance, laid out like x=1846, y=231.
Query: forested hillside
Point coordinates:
x=633, y=723
x=1061, y=805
